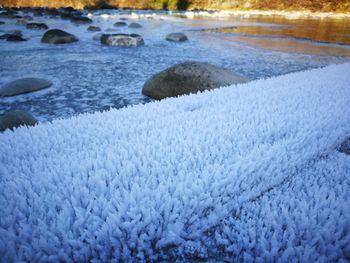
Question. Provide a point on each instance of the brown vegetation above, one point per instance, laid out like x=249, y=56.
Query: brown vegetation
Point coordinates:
x=310, y=5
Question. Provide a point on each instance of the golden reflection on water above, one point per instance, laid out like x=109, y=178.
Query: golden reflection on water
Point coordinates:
x=295, y=35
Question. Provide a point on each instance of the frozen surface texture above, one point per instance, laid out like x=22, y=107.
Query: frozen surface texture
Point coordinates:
x=247, y=172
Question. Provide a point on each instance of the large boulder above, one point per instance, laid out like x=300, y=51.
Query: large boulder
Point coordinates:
x=16, y=118
x=122, y=40
x=189, y=77
x=24, y=85
x=176, y=37
x=37, y=26
x=56, y=36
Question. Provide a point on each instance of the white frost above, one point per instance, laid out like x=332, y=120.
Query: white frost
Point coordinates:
x=248, y=172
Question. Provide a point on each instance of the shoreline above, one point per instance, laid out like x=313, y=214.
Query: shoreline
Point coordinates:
x=248, y=13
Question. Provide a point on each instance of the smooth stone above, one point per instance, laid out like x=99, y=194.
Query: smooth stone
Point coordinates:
x=24, y=85
x=122, y=40
x=94, y=28
x=16, y=118
x=37, y=26
x=57, y=36
x=189, y=77
x=176, y=37
x=135, y=25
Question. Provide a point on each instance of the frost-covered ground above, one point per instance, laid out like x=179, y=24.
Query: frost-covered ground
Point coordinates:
x=242, y=173
x=89, y=77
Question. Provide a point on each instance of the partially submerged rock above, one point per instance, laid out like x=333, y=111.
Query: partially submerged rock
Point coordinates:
x=135, y=25
x=15, y=38
x=57, y=36
x=119, y=24
x=122, y=40
x=37, y=26
x=24, y=85
x=94, y=28
x=16, y=118
x=81, y=20
x=345, y=146
x=189, y=77
x=176, y=37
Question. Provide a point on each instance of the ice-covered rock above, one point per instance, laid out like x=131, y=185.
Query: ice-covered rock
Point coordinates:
x=24, y=85
x=122, y=40
x=16, y=118
x=176, y=37
x=57, y=36
x=189, y=77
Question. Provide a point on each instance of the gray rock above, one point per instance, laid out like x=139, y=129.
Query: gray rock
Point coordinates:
x=122, y=40
x=135, y=25
x=94, y=28
x=119, y=24
x=176, y=37
x=37, y=26
x=16, y=118
x=345, y=146
x=56, y=36
x=24, y=85
x=189, y=77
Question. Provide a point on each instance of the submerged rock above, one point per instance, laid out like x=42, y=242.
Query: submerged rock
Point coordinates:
x=122, y=40
x=176, y=37
x=37, y=26
x=189, y=77
x=345, y=146
x=24, y=85
x=94, y=28
x=135, y=25
x=57, y=36
x=16, y=118
x=2, y=22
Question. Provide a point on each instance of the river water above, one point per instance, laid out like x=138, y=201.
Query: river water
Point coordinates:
x=90, y=77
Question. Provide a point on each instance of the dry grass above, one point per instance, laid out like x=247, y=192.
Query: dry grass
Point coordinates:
x=310, y=5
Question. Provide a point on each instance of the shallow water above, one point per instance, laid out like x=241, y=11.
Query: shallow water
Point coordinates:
x=90, y=77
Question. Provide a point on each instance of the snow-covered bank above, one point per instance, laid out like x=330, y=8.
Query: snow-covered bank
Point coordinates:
x=240, y=173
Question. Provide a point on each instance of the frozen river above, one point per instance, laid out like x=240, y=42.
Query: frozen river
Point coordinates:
x=90, y=77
